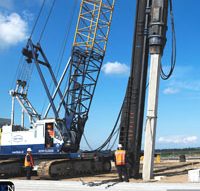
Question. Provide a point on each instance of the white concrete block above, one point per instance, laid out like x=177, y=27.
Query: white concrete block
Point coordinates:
x=158, y=178
x=194, y=175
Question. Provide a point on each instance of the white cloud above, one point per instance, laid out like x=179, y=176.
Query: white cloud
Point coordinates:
x=192, y=85
x=179, y=139
x=115, y=68
x=171, y=90
x=13, y=30
x=186, y=78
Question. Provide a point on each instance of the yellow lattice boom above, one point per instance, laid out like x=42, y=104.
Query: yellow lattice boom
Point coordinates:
x=94, y=25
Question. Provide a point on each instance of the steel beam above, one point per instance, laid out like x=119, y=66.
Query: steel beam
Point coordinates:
x=43, y=79
x=133, y=110
x=57, y=88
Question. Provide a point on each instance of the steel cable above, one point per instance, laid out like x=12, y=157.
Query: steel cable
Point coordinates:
x=112, y=132
x=20, y=68
x=46, y=22
x=165, y=76
x=62, y=50
x=36, y=21
x=89, y=146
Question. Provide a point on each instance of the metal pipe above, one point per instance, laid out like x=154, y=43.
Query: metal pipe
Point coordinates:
x=52, y=74
x=13, y=111
x=43, y=80
x=22, y=119
x=58, y=86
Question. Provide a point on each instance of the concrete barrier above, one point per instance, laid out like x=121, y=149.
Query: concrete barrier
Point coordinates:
x=194, y=175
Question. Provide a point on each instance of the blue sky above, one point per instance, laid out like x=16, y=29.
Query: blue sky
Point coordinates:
x=179, y=97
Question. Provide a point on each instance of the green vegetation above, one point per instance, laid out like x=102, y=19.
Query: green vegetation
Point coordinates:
x=178, y=152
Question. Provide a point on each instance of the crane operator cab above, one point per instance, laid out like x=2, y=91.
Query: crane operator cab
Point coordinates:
x=44, y=136
x=49, y=135
x=56, y=134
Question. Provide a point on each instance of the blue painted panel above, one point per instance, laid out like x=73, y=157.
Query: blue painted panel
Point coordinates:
x=36, y=149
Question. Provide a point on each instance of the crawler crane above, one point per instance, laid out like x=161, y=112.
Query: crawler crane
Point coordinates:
x=59, y=155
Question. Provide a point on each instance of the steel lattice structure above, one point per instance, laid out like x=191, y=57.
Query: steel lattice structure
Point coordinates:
x=82, y=69
x=87, y=57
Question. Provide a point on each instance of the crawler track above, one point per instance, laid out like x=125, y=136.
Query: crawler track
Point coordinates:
x=55, y=169
x=11, y=167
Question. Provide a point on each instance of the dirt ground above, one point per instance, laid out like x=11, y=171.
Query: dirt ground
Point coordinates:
x=164, y=172
x=175, y=171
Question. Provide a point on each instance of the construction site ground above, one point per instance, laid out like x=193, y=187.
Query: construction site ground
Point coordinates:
x=44, y=185
x=168, y=175
x=167, y=171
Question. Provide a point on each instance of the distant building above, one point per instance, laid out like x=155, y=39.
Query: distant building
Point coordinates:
x=4, y=121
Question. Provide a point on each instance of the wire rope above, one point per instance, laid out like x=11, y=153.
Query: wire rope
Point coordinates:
x=165, y=76
x=21, y=65
x=46, y=22
x=89, y=146
x=36, y=21
x=62, y=50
